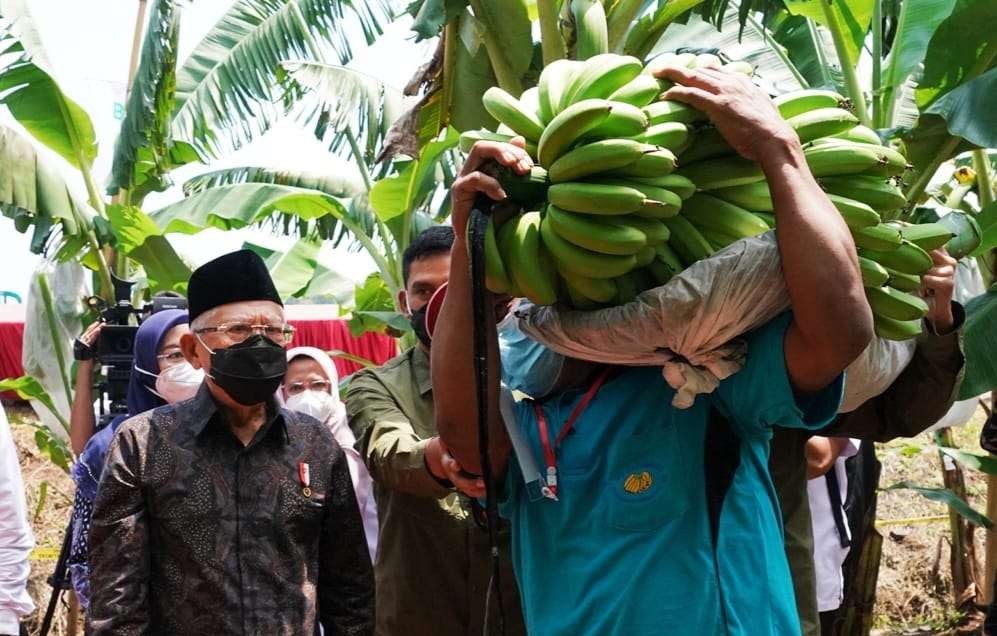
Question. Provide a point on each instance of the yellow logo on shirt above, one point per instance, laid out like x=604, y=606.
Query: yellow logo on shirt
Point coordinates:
x=637, y=483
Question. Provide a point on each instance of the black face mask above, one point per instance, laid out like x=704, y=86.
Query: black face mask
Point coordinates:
x=418, y=321
x=250, y=371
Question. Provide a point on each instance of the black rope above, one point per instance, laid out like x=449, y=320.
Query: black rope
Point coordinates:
x=477, y=225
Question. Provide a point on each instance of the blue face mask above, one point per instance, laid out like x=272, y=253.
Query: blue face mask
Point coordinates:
x=527, y=365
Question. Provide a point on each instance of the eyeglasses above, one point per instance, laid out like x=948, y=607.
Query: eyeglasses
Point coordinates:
x=240, y=331
x=295, y=388
x=172, y=358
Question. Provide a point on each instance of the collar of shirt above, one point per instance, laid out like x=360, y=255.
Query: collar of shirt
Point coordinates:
x=420, y=370
x=202, y=409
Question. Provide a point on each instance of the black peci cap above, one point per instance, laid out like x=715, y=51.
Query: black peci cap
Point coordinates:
x=231, y=278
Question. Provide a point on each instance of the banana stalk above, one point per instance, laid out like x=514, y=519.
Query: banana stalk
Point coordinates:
x=847, y=65
x=551, y=40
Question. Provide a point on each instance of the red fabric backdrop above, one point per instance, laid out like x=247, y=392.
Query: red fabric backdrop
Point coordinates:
x=315, y=325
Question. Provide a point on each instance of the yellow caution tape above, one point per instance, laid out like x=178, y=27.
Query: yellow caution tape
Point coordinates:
x=45, y=554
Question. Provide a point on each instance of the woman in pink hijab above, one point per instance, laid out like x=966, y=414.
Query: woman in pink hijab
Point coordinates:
x=311, y=386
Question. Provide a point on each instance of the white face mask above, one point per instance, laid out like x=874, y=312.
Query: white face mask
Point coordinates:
x=179, y=383
x=318, y=404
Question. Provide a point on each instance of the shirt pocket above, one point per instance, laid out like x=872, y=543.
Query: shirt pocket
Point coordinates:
x=302, y=515
x=648, y=486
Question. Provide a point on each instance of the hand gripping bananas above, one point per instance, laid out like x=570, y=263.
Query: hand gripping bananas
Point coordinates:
x=637, y=188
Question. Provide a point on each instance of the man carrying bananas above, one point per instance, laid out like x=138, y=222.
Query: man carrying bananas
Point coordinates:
x=643, y=531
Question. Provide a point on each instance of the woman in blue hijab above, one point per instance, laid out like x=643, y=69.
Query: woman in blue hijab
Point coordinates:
x=159, y=375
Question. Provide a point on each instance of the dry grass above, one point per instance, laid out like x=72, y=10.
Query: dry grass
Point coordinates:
x=914, y=594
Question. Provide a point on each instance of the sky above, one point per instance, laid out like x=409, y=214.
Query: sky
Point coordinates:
x=89, y=44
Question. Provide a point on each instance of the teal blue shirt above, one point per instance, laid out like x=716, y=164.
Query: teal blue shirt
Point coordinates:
x=627, y=549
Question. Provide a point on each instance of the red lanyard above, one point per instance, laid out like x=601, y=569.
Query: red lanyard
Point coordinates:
x=550, y=456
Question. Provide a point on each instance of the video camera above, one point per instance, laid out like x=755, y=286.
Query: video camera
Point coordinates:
x=115, y=350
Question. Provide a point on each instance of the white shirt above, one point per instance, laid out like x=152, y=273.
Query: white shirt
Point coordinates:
x=828, y=553
x=16, y=539
x=363, y=485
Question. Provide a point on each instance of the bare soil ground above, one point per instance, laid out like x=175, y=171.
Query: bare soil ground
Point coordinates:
x=915, y=588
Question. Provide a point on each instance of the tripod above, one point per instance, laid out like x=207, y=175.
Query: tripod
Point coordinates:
x=59, y=579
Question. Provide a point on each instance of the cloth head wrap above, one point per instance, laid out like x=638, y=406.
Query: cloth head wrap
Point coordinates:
x=234, y=277
x=147, y=340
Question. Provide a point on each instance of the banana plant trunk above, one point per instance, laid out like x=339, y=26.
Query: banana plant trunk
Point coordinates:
x=990, y=560
x=860, y=597
x=966, y=580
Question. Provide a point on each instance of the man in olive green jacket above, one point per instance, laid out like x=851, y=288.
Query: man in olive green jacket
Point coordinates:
x=434, y=561
x=918, y=398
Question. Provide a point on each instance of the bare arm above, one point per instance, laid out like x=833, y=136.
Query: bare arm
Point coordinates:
x=832, y=322
x=81, y=419
x=453, y=346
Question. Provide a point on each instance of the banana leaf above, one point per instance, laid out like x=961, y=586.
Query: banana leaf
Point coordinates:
x=142, y=152
x=916, y=24
x=969, y=110
x=293, y=270
x=227, y=90
x=473, y=75
x=429, y=16
x=980, y=345
x=36, y=101
x=853, y=17
x=399, y=195
x=33, y=193
x=647, y=31
x=946, y=496
x=141, y=240
x=345, y=101
x=961, y=48
x=23, y=28
x=337, y=185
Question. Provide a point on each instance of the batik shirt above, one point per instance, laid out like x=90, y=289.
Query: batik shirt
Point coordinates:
x=195, y=533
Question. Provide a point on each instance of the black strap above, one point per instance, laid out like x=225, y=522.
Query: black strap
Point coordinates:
x=837, y=508
x=722, y=450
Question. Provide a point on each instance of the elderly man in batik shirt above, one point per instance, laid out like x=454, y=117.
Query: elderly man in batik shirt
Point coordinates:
x=224, y=514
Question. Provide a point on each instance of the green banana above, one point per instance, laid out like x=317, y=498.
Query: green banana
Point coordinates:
x=470, y=137
x=529, y=190
x=881, y=238
x=496, y=278
x=624, y=120
x=596, y=233
x=720, y=216
x=568, y=126
x=657, y=163
x=505, y=238
x=908, y=258
x=576, y=299
x=670, y=60
x=668, y=110
x=839, y=158
x=718, y=240
x=927, y=236
x=880, y=194
x=768, y=218
x=554, y=80
x=822, y=122
x=654, y=230
x=595, y=198
x=873, y=274
x=645, y=256
x=740, y=66
x=530, y=264
x=668, y=256
x=513, y=113
x=856, y=214
x=628, y=287
x=799, y=102
x=603, y=75
x=897, y=305
x=860, y=134
x=598, y=290
x=659, y=203
x=688, y=244
x=722, y=173
x=709, y=144
x=904, y=282
x=639, y=92
x=890, y=162
x=896, y=329
x=708, y=60
x=596, y=157
x=661, y=272
x=591, y=29
x=671, y=135
x=675, y=182
x=578, y=260
x=750, y=196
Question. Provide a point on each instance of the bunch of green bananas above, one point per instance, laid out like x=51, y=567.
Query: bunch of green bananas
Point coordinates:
x=639, y=188
x=608, y=146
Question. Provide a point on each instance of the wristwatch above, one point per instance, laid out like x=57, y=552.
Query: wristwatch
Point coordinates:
x=82, y=351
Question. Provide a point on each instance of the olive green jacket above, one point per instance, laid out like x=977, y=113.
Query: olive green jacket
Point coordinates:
x=433, y=561
x=918, y=398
